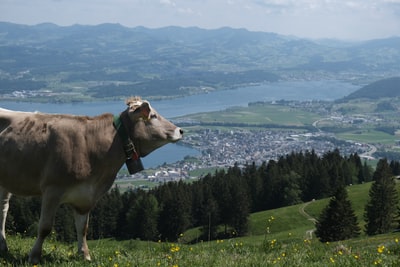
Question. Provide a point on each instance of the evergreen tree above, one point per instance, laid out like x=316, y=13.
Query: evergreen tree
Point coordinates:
x=254, y=182
x=240, y=205
x=175, y=209
x=316, y=180
x=395, y=166
x=64, y=225
x=223, y=197
x=346, y=173
x=128, y=199
x=337, y=175
x=291, y=193
x=338, y=220
x=24, y=213
x=366, y=173
x=205, y=208
x=104, y=217
x=142, y=218
x=357, y=167
x=380, y=211
x=271, y=180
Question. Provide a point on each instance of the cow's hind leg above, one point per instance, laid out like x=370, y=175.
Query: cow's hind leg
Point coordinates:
x=81, y=225
x=50, y=203
x=4, y=202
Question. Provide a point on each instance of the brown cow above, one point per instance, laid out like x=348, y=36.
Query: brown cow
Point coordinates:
x=73, y=159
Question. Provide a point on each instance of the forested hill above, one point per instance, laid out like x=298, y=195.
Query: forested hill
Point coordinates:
x=389, y=87
x=110, y=60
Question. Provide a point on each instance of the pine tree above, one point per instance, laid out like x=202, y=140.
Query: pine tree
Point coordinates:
x=254, y=181
x=395, y=166
x=205, y=208
x=175, y=216
x=366, y=173
x=142, y=218
x=381, y=209
x=64, y=224
x=240, y=205
x=338, y=220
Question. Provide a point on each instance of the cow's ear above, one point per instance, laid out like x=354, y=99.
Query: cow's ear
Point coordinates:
x=145, y=110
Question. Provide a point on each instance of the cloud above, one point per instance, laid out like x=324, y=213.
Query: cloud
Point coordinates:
x=187, y=10
x=168, y=3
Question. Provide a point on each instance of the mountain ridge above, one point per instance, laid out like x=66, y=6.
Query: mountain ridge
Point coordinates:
x=389, y=87
x=111, y=60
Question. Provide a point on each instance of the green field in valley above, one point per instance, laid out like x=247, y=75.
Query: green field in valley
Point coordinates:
x=260, y=114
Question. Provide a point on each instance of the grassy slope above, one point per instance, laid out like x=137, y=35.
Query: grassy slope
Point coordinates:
x=285, y=244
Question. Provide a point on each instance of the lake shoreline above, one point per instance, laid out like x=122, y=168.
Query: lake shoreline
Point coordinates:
x=212, y=101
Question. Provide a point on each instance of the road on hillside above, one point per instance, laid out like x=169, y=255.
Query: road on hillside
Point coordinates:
x=367, y=155
x=309, y=233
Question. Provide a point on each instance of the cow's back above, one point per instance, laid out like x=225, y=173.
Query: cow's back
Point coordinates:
x=38, y=150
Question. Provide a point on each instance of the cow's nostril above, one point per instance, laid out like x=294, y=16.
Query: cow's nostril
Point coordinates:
x=181, y=131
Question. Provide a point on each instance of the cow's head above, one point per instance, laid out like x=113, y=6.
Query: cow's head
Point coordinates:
x=148, y=129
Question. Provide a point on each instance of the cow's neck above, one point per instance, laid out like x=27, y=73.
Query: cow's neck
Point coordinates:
x=133, y=161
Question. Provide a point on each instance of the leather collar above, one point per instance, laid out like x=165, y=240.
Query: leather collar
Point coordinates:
x=129, y=147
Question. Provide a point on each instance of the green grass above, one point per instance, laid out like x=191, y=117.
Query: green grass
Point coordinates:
x=369, y=136
x=277, y=238
x=265, y=250
x=265, y=114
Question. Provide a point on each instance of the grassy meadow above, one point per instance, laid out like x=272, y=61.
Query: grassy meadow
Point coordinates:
x=276, y=238
x=263, y=114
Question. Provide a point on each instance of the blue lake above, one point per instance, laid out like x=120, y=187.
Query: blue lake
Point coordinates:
x=213, y=101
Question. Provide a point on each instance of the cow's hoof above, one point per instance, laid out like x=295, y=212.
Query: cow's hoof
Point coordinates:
x=34, y=259
x=3, y=247
x=87, y=257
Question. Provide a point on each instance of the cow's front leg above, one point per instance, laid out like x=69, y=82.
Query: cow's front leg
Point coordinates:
x=4, y=204
x=50, y=203
x=81, y=225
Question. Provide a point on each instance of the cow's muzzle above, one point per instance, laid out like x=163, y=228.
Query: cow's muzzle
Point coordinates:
x=178, y=134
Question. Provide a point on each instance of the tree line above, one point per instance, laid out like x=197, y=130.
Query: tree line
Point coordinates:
x=219, y=203
x=338, y=221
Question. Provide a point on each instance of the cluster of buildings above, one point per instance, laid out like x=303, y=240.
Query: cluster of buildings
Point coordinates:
x=225, y=148
x=222, y=149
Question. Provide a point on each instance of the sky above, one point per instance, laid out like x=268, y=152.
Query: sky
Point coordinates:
x=339, y=19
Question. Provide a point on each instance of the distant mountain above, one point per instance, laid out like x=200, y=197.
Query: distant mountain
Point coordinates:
x=110, y=60
x=389, y=87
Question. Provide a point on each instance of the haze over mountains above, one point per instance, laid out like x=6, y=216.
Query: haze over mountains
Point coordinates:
x=110, y=60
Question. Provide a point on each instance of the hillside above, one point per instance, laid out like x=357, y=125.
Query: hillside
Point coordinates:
x=385, y=88
x=285, y=244
x=80, y=62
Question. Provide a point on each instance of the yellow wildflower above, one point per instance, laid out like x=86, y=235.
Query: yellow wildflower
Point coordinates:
x=381, y=249
x=175, y=249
